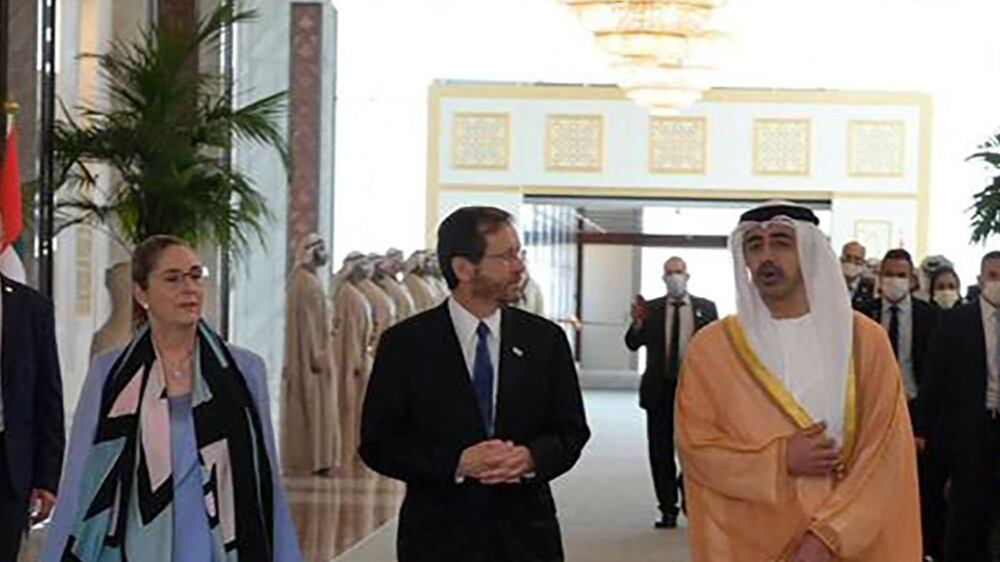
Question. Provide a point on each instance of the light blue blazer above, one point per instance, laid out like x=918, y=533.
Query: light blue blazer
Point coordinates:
x=191, y=534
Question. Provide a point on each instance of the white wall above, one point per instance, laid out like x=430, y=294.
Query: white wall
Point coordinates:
x=393, y=49
x=609, y=282
x=626, y=132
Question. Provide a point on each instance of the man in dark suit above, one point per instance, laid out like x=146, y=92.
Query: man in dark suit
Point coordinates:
x=910, y=323
x=665, y=337
x=477, y=407
x=32, y=429
x=852, y=264
x=958, y=415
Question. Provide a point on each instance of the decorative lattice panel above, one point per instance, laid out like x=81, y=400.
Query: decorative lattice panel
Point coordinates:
x=480, y=141
x=781, y=147
x=574, y=143
x=876, y=148
x=678, y=145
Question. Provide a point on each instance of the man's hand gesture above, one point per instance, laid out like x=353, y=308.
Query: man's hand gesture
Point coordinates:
x=811, y=453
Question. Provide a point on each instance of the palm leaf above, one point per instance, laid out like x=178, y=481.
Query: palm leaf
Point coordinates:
x=165, y=137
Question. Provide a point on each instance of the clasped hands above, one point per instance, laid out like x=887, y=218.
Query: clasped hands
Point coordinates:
x=496, y=462
x=811, y=452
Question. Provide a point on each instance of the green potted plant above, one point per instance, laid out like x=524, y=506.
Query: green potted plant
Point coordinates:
x=165, y=137
x=986, y=203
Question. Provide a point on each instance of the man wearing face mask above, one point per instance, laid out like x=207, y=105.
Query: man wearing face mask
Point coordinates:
x=910, y=323
x=665, y=326
x=852, y=264
x=959, y=415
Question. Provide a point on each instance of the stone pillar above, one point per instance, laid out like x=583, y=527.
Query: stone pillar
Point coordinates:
x=304, y=122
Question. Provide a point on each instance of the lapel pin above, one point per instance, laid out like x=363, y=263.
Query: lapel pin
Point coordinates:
x=8, y=289
x=517, y=351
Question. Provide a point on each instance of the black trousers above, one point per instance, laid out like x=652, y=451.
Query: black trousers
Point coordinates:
x=13, y=513
x=975, y=491
x=663, y=465
x=932, y=475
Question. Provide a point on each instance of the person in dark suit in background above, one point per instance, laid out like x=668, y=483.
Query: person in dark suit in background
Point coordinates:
x=665, y=334
x=477, y=407
x=910, y=323
x=31, y=413
x=958, y=415
x=852, y=264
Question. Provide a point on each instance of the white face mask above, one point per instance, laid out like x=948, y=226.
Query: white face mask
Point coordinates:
x=851, y=270
x=946, y=298
x=991, y=291
x=676, y=284
x=894, y=288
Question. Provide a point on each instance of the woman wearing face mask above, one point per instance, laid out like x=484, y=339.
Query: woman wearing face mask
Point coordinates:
x=945, y=289
x=171, y=457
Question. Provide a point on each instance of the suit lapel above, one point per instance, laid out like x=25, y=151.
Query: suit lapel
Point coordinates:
x=513, y=367
x=699, y=309
x=451, y=360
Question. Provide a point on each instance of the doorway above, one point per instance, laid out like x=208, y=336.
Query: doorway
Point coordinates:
x=621, y=244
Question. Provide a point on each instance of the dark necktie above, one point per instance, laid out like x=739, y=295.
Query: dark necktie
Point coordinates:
x=894, y=329
x=482, y=377
x=673, y=355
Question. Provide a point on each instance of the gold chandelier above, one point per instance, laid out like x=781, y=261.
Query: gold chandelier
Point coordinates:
x=663, y=51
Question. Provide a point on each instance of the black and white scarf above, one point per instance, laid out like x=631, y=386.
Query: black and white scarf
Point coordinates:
x=127, y=490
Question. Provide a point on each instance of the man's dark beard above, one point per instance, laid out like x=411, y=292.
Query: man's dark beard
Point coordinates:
x=485, y=289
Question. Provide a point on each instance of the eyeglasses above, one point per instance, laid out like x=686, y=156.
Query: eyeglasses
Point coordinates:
x=174, y=278
x=509, y=257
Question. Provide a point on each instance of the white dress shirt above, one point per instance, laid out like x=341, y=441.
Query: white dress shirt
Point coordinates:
x=466, y=325
x=905, y=342
x=992, y=367
x=687, y=325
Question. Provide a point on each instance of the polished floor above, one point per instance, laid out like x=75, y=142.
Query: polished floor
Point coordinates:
x=605, y=504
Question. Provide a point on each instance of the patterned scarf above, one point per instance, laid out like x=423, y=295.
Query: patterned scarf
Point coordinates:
x=127, y=489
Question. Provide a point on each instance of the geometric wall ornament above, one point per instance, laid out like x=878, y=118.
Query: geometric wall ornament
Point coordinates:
x=678, y=145
x=876, y=149
x=83, y=259
x=781, y=147
x=574, y=143
x=480, y=141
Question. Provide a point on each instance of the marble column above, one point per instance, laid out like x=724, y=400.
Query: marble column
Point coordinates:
x=304, y=127
x=289, y=48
